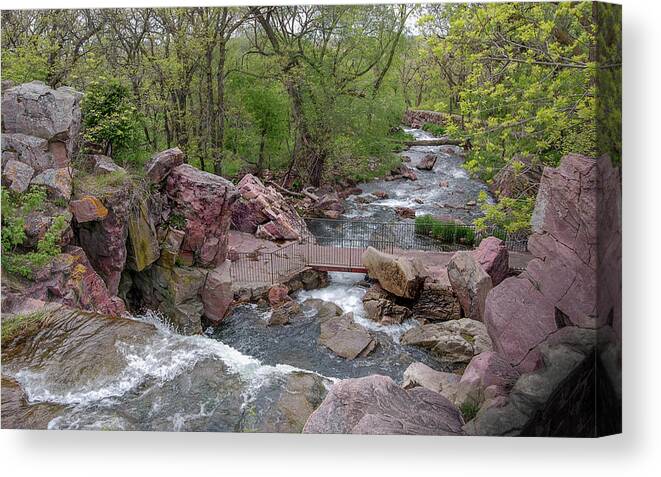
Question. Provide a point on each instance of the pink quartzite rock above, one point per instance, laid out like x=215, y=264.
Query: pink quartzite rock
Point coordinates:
x=492, y=255
x=485, y=370
x=104, y=241
x=470, y=282
x=17, y=175
x=278, y=294
x=217, y=293
x=58, y=182
x=263, y=211
x=87, y=209
x=377, y=405
x=68, y=279
x=204, y=201
x=37, y=110
x=575, y=277
x=162, y=163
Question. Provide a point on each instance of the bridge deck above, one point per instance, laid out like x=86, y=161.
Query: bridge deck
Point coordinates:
x=281, y=264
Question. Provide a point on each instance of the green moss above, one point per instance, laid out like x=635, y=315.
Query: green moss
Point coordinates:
x=14, y=326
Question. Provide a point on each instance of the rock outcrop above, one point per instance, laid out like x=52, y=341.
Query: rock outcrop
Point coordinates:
x=376, y=405
x=68, y=279
x=263, y=211
x=559, y=398
x=493, y=256
x=455, y=341
x=575, y=278
x=487, y=376
x=470, y=282
x=203, y=201
x=162, y=163
x=399, y=275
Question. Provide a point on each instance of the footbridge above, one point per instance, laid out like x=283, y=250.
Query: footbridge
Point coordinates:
x=338, y=245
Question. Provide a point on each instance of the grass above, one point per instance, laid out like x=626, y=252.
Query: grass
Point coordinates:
x=469, y=410
x=14, y=326
x=101, y=184
x=434, y=129
x=447, y=232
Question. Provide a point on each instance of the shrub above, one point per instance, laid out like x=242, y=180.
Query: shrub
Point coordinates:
x=469, y=410
x=15, y=258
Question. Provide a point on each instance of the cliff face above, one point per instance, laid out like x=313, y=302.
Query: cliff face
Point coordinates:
x=159, y=242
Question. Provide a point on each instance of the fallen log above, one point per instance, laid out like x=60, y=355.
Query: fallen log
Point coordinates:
x=305, y=193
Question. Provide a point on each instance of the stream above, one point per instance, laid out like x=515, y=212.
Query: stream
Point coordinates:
x=137, y=374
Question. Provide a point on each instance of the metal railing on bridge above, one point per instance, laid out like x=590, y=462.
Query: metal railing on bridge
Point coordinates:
x=339, y=244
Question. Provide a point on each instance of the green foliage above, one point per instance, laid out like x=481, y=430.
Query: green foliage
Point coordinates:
x=110, y=117
x=434, y=129
x=508, y=214
x=16, y=258
x=469, y=410
x=14, y=326
x=446, y=232
x=177, y=221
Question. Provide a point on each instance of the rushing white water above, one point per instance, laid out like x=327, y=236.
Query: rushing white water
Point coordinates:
x=344, y=292
x=161, y=359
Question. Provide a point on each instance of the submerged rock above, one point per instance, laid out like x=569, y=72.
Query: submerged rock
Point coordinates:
x=376, y=405
x=427, y=163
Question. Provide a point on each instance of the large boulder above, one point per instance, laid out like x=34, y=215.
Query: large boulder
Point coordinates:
x=29, y=150
x=217, y=293
x=399, y=275
x=419, y=374
x=575, y=278
x=16, y=175
x=346, y=338
x=437, y=300
x=470, y=282
x=203, y=202
x=455, y=341
x=263, y=211
x=493, y=256
x=37, y=110
x=486, y=370
x=383, y=307
x=376, y=405
x=160, y=165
